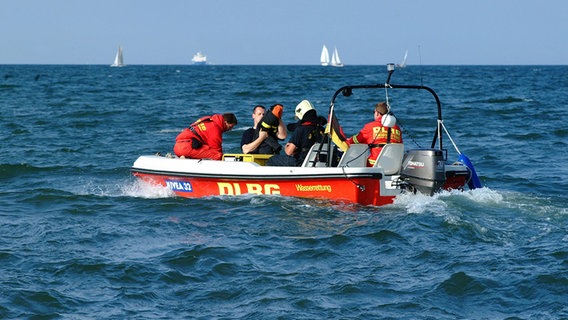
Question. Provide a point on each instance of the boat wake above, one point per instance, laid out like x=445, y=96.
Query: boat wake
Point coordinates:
x=455, y=206
x=442, y=201
x=124, y=188
x=450, y=204
x=141, y=189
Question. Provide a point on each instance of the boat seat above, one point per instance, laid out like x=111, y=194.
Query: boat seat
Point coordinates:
x=390, y=158
x=355, y=156
x=321, y=161
x=247, y=157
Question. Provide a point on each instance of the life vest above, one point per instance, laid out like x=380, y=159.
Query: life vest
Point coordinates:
x=376, y=136
x=316, y=135
x=269, y=123
x=384, y=136
x=199, y=126
x=270, y=145
x=204, y=131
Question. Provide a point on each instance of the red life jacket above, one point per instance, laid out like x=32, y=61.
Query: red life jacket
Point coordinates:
x=376, y=136
x=208, y=130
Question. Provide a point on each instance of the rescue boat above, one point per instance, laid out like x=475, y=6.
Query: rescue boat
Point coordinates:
x=329, y=171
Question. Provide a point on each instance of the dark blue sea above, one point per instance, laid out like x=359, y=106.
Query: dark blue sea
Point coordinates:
x=80, y=238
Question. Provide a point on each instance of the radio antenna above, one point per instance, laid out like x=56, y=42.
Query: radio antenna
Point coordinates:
x=420, y=61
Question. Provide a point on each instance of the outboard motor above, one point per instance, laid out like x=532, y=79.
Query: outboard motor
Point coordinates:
x=423, y=170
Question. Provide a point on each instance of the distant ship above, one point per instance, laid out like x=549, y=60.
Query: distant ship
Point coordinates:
x=118, y=62
x=199, y=58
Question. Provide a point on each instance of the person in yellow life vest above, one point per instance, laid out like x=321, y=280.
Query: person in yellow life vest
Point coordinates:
x=376, y=135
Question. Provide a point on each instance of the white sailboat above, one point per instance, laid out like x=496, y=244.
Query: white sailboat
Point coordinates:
x=403, y=63
x=324, y=58
x=335, y=61
x=118, y=62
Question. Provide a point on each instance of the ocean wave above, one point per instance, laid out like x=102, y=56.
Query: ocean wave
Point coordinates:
x=172, y=130
x=136, y=188
x=507, y=99
x=420, y=203
x=111, y=187
x=500, y=100
x=47, y=303
x=531, y=136
x=141, y=189
x=560, y=132
x=439, y=202
x=8, y=171
x=461, y=284
x=8, y=86
x=107, y=245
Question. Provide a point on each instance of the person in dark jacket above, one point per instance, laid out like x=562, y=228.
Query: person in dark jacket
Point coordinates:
x=307, y=131
x=268, y=129
x=248, y=143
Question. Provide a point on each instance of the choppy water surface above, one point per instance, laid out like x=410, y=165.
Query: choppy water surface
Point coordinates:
x=82, y=239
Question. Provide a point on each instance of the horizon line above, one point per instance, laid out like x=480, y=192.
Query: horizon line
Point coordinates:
x=281, y=65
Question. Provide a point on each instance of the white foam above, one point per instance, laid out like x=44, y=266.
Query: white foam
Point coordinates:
x=420, y=203
x=130, y=187
x=174, y=130
x=481, y=195
x=141, y=189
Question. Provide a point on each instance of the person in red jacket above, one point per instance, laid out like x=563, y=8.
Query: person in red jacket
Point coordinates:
x=376, y=135
x=203, y=138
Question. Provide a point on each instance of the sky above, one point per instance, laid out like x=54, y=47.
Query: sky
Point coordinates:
x=285, y=32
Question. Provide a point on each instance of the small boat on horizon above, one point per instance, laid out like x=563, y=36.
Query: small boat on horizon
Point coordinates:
x=199, y=58
x=402, y=64
x=335, y=60
x=118, y=60
x=324, y=57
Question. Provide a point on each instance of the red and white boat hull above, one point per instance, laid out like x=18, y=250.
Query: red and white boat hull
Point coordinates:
x=192, y=178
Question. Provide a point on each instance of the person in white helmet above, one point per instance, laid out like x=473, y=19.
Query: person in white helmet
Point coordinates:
x=307, y=131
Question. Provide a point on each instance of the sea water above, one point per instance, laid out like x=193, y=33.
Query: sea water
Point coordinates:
x=80, y=238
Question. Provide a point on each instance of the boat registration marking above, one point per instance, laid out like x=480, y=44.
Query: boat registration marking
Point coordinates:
x=179, y=186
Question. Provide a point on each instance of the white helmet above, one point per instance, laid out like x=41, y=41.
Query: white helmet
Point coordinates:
x=388, y=120
x=302, y=108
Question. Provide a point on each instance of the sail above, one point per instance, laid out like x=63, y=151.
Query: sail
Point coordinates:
x=324, y=58
x=403, y=63
x=118, y=62
x=335, y=60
